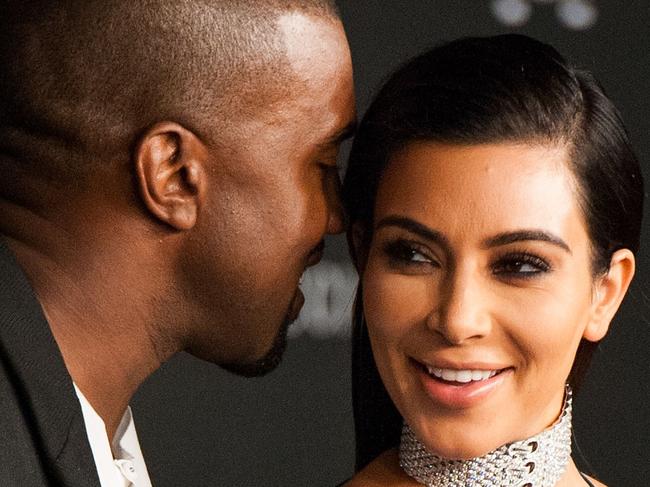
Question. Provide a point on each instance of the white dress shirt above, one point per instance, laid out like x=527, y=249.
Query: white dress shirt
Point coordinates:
x=119, y=463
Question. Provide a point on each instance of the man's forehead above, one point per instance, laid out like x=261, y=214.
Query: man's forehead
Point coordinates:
x=315, y=47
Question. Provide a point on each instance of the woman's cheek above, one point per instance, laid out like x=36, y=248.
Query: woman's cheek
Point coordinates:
x=394, y=303
x=544, y=331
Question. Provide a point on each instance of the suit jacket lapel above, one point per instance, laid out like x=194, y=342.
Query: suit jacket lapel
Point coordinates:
x=42, y=386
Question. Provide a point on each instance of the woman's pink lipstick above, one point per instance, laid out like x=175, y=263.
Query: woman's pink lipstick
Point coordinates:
x=453, y=394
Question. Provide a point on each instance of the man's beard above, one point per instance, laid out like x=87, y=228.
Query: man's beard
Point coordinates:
x=269, y=362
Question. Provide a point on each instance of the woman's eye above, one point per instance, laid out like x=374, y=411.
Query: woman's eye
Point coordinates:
x=403, y=253
x=418, y=257
x=521, y=266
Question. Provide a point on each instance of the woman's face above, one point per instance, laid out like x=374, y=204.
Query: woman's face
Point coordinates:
x=477, y=290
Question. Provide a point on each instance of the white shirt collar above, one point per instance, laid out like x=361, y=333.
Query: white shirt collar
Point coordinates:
x=119, y=463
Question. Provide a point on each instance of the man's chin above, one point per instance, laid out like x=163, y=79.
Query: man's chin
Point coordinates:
x=268, y=362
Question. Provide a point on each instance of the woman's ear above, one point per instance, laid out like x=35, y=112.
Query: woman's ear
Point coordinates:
x=358, y=242
x=170, y=171
x=609, y=291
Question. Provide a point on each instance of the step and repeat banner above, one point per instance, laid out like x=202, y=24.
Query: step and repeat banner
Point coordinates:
x=200, y=426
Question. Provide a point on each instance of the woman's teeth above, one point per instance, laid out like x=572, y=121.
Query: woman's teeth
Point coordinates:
x=452, y=375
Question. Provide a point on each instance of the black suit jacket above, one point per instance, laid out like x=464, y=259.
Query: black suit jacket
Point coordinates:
x=43, y=438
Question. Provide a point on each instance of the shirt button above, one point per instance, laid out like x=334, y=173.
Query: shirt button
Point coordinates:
x=128, y=469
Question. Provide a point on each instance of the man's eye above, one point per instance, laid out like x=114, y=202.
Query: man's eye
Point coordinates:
x=329, y=168
x=327, y=164
x=331, y=178
x=521, y=266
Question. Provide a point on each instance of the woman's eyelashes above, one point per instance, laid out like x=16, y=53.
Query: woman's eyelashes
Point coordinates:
x=403, y=253
x=520, y=265
x=408, y=255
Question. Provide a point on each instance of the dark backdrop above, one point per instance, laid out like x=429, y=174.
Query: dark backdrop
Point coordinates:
x=200, y=426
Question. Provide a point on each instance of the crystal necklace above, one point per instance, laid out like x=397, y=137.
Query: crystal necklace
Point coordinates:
x=538, y=461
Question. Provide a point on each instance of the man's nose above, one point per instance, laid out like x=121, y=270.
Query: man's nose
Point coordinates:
x=462, y=313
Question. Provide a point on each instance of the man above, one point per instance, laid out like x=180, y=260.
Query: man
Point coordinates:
x=168, y=173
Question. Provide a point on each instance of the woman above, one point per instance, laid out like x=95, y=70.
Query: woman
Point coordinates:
x=495, y=208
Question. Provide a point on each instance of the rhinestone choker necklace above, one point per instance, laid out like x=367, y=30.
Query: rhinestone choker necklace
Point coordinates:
x=538, y=461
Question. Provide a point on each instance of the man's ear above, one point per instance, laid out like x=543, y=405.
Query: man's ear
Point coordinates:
x=609, y=291
x=170, y=171
x=358, y=242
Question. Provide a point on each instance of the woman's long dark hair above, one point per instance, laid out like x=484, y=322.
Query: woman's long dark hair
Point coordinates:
x=508, y=88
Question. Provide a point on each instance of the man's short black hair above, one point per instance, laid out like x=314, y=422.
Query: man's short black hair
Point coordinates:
x=79, y=79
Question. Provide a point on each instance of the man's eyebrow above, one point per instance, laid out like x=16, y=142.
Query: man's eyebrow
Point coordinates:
x=341, y=134
x=525, y=236
x=415, y=227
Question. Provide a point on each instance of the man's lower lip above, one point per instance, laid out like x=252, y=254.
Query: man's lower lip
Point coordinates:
x=316, y=255
x=315, y=258
x=454, y=395
x=296, y=305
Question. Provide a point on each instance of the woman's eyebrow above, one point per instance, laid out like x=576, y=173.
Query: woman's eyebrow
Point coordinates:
x=524, y=236
x=500, y=239
x=415, y=227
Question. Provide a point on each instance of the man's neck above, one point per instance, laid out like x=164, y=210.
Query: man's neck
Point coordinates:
x=99, y=321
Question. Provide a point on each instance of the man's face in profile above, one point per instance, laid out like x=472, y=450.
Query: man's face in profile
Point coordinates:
x=269, y=205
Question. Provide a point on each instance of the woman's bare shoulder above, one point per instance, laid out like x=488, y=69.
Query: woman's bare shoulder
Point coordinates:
x=382, y=471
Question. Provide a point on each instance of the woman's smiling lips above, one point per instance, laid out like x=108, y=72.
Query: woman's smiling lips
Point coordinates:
x=460, y=386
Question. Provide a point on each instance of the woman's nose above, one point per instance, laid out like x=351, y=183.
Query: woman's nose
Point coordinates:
x=462, y=312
